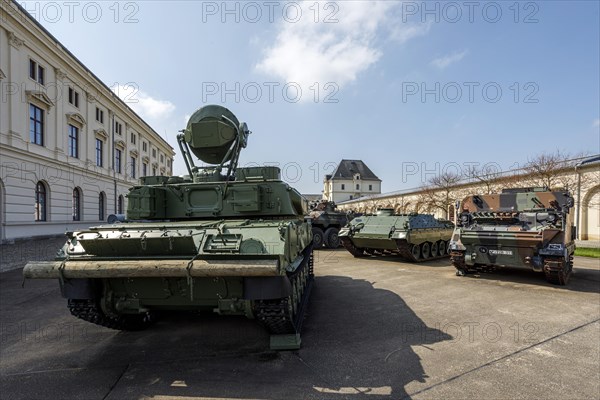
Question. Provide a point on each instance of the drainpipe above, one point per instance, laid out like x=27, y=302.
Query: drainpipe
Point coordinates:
x=113, y=162
x=578, y=172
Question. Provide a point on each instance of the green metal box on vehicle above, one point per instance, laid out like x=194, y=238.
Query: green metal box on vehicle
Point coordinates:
x=224, y=239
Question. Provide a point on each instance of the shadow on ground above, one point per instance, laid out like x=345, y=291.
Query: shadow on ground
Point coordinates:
x=357, y=341
x=582, y=279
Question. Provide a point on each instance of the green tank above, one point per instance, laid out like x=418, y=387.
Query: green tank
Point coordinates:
x=415, y=237
x=529, y=228
x=326, y=223
x=224, y=239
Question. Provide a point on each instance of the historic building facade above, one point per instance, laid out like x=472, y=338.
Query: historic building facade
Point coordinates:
x=582, y=178
x=351, y=179
x=69, y=147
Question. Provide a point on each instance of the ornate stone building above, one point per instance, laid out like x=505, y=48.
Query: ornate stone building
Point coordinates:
x=69, y=147
x=581, y=177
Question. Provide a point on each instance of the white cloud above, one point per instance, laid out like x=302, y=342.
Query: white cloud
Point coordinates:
x=142, y=103
x=306, y=52
x=406, y=31
x=445, y=61
x=596, y=123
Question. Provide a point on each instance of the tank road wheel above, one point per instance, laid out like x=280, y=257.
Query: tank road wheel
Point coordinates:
x=434, y=249
x=425, y=250
x=332, y=240
x=441, y=248
x=317, y=238
x=416, y=251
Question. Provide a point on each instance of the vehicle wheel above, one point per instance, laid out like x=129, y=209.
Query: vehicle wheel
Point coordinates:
x=426, y=250
x=434, y=249
x=441, y=248
x=416, y=251
x=317, y=238
x=332, y=240
x=447, y=244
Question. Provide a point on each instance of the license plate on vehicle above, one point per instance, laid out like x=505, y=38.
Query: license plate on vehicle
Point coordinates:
x=501, y=252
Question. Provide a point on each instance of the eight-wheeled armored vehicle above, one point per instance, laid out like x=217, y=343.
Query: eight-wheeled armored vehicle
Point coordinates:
x=225, y=239
x=415, y=237
x=526, y=228
x=326, y=224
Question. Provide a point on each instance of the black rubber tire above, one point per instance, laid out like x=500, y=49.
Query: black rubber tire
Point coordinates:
x=442, y=250
x=425, y=250
x=332, y=241
x=434, y=249
x=416, y=251
x=318, y=238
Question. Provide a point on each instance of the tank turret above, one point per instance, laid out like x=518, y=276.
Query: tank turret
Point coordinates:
x=220, y=189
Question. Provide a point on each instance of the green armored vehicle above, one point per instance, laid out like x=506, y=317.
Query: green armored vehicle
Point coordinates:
x=415, y=237
x=326, y=223
x=525, y=228
x=224, y=239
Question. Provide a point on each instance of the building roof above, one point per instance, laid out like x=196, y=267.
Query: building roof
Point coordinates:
x=347, y=168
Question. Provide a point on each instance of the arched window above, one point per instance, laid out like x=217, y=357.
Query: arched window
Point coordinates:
x=41, y=201
x=120, y=205
x=76, y=204
x=101, y=206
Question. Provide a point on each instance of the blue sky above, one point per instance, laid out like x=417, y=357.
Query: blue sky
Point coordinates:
x=411, y=88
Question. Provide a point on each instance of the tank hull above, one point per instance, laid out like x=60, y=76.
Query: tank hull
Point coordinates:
x=120, y=275
x=416, y=238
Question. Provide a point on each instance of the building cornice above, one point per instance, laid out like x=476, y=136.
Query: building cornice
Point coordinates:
x=15, y=41
x=39, y=96
x=101, y=132
x=76, y=118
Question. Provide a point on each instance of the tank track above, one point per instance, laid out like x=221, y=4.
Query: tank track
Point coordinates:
x=348, y=245
x=458, y=262
x=558, y=271
x=404, y=249
x=279, y=315
x=90, y=311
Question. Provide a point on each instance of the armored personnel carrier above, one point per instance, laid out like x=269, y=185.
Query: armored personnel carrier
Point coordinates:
x=415, y=237
x=326, y=224
x=524, y=228
x=224, y=239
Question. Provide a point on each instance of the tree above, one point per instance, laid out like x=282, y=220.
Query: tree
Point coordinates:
x=548, y=170
x=441, y=192
x=490, y=176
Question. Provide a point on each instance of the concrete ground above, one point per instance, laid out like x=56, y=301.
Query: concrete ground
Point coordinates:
x=376, y=328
